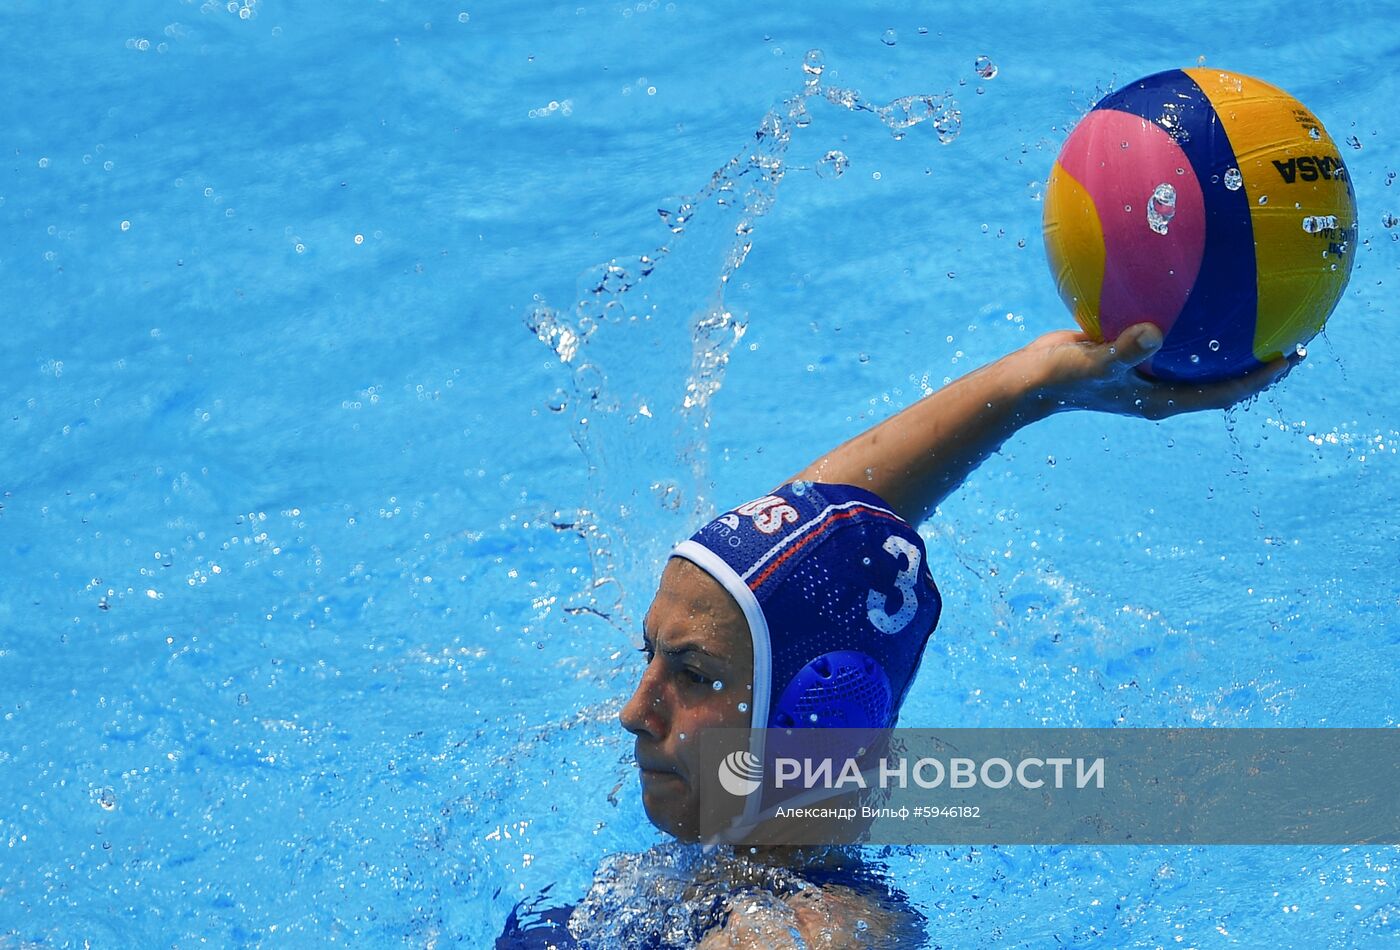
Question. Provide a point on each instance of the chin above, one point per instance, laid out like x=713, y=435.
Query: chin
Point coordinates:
x=670, y=816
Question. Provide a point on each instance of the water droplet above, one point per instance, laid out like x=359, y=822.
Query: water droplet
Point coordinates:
x=681, y=737
x=1214, y=346
x=814, y=62
x=1263, y=199
x=743, y=707
x=1050, y=460
x=126, y=225
x=865, y=357
x=811, y=717
x=833, y=164
x=1300, y=350
x=890, y=38
x=1125, y=144
x=463, y=17
x=865, y=561
x=359, y=239
x=1233, y=179
x=1322, y=222
x=1195, y=358
x=984, y=67
x=43, y=163
x=243, y=699
x=1354, y=142
x=1389, y=220
x=106, y=799
x=717, y=685
x=1314, y=133
x=1161, y=208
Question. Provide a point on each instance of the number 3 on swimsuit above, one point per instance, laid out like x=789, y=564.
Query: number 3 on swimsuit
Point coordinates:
x=892, y=623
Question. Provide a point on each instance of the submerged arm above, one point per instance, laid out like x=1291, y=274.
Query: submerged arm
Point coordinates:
x=917, y=457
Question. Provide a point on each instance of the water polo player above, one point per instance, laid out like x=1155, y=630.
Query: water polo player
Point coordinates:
x=811, y=605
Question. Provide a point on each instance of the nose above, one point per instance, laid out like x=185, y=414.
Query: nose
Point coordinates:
x=644, y=714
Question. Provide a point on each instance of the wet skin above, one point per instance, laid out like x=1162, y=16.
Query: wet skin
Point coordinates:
x=696, y=637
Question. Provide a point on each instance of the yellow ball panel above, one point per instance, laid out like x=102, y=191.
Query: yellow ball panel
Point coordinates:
x=1074, y=244
x=1302, y=209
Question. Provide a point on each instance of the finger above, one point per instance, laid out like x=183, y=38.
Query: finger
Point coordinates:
x=1178, y=398
x=1061, y=337
x=1136, y=344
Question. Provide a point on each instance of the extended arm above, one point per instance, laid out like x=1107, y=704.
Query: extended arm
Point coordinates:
x=917, y=457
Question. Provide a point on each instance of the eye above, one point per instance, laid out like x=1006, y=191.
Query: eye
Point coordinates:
x=698, y=678
x=647, y=651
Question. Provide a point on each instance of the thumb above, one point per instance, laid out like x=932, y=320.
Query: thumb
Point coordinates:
x=1136, y=344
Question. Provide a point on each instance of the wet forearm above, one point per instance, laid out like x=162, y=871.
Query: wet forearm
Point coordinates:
x=917, y=457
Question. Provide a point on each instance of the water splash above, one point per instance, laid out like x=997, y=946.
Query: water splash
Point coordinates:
x=1171, y=122
x=649, y=305
x=673, y=895
x=833, y=164
x=904, y=113
x=554, y=333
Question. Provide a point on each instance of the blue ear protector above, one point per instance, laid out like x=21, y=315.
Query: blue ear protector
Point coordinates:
x=843, y=689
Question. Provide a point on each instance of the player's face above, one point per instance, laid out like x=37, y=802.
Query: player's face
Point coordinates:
x=699, y=675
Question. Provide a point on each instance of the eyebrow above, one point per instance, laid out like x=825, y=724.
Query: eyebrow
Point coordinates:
x=679, y=649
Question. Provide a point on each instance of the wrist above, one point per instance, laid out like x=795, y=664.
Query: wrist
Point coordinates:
x=1029, y=376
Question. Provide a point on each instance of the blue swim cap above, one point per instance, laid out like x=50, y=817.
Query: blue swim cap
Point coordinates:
x=838, y=597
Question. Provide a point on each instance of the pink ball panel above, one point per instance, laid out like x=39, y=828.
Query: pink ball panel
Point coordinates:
x=1120, y=159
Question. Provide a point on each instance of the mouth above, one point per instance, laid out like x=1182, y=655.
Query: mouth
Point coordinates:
x=654, y=777
x=652, y=770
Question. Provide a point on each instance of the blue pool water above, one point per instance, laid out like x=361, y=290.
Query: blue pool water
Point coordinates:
x=321, y=570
